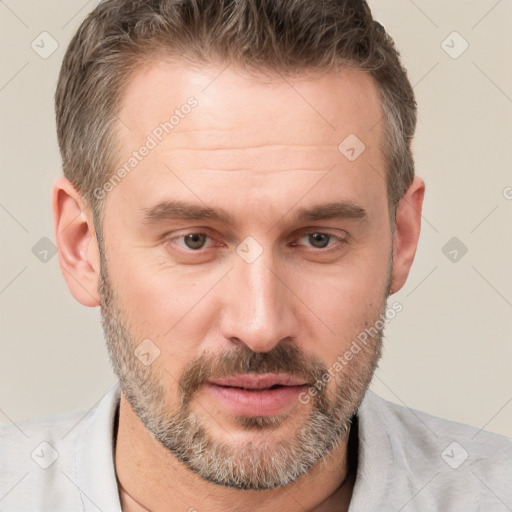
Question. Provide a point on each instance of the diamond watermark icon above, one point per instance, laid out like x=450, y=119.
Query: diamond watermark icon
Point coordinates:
x=454, y=45
x=249, y=250
x=454, y=455
x=44, y=250
x=44, y=45
x=351, y=147
x=44, y=455
x=146, y=352
x=454, y=249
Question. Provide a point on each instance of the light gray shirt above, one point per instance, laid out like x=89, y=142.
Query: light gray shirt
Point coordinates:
x=407, y=461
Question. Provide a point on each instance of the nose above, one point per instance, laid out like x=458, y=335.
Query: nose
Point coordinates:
x=258, y=308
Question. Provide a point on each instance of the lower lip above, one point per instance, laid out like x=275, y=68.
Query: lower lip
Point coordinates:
x=242, y=402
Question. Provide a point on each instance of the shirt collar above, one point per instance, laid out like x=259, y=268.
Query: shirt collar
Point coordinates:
x=95, y=456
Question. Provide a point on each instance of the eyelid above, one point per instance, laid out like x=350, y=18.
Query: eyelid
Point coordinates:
x=334, y=232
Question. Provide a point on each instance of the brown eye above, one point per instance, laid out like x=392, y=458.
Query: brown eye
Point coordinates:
x=195, y=240
x=321, y=242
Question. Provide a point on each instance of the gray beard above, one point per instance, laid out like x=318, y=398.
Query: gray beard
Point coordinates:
x=263, y=466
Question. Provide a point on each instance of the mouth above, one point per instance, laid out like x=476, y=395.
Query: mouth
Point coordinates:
x=258, y=382
x=256, y=395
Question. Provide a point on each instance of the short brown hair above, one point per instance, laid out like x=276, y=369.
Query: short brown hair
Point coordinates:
x=287, y=36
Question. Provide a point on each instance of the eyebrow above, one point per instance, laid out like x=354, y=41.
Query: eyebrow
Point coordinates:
x=179, y=210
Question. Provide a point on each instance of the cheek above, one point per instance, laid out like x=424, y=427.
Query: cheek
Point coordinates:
x=341, y=304
x=165, y=304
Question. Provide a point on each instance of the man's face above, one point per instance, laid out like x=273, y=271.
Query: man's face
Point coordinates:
x=244, y=254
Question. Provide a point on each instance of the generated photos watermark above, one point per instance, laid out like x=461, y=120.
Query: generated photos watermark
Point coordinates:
x=156, y=136
x=356, y=346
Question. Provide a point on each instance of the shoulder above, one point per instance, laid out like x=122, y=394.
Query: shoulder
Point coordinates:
x=37, y=454
x=24, y=438
x=431, y=461
x=425, y=433
x=53, y=462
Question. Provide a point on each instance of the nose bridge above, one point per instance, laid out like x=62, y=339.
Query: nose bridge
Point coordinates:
x=257, y=309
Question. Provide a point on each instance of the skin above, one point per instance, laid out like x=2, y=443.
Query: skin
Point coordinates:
x=261, y=149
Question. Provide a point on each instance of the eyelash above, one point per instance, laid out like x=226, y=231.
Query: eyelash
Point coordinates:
x=341, y=241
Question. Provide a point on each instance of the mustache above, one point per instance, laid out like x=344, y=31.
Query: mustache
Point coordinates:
x=283, y=358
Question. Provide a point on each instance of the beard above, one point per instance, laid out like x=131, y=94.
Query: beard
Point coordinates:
x=278, y=460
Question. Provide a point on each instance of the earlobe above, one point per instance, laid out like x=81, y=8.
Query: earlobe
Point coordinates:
x=76, y=241
x=407, y=232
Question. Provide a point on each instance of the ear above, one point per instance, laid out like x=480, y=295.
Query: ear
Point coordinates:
x=76, y=241
x=407, y=232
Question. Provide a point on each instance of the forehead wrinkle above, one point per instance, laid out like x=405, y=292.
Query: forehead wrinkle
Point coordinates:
x=306, y=147
x=267, y=158
x=256, y=172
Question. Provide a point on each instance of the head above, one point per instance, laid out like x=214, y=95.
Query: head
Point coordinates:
x=239, y=198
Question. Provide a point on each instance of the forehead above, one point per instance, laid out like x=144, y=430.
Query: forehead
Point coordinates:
x=275, y=130
x=328, y=105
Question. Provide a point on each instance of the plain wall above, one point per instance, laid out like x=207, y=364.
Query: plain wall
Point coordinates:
x=449, y=351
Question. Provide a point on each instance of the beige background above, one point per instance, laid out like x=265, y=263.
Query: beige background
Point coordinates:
x=449, y=351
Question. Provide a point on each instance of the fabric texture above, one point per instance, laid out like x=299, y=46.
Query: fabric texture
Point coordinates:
x=407, y=461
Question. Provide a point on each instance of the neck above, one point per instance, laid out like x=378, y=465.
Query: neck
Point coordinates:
x=152, y=479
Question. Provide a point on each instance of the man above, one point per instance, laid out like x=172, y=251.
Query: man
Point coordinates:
x=239, y=199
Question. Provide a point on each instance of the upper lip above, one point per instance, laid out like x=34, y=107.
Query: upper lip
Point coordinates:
x=252, y=381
